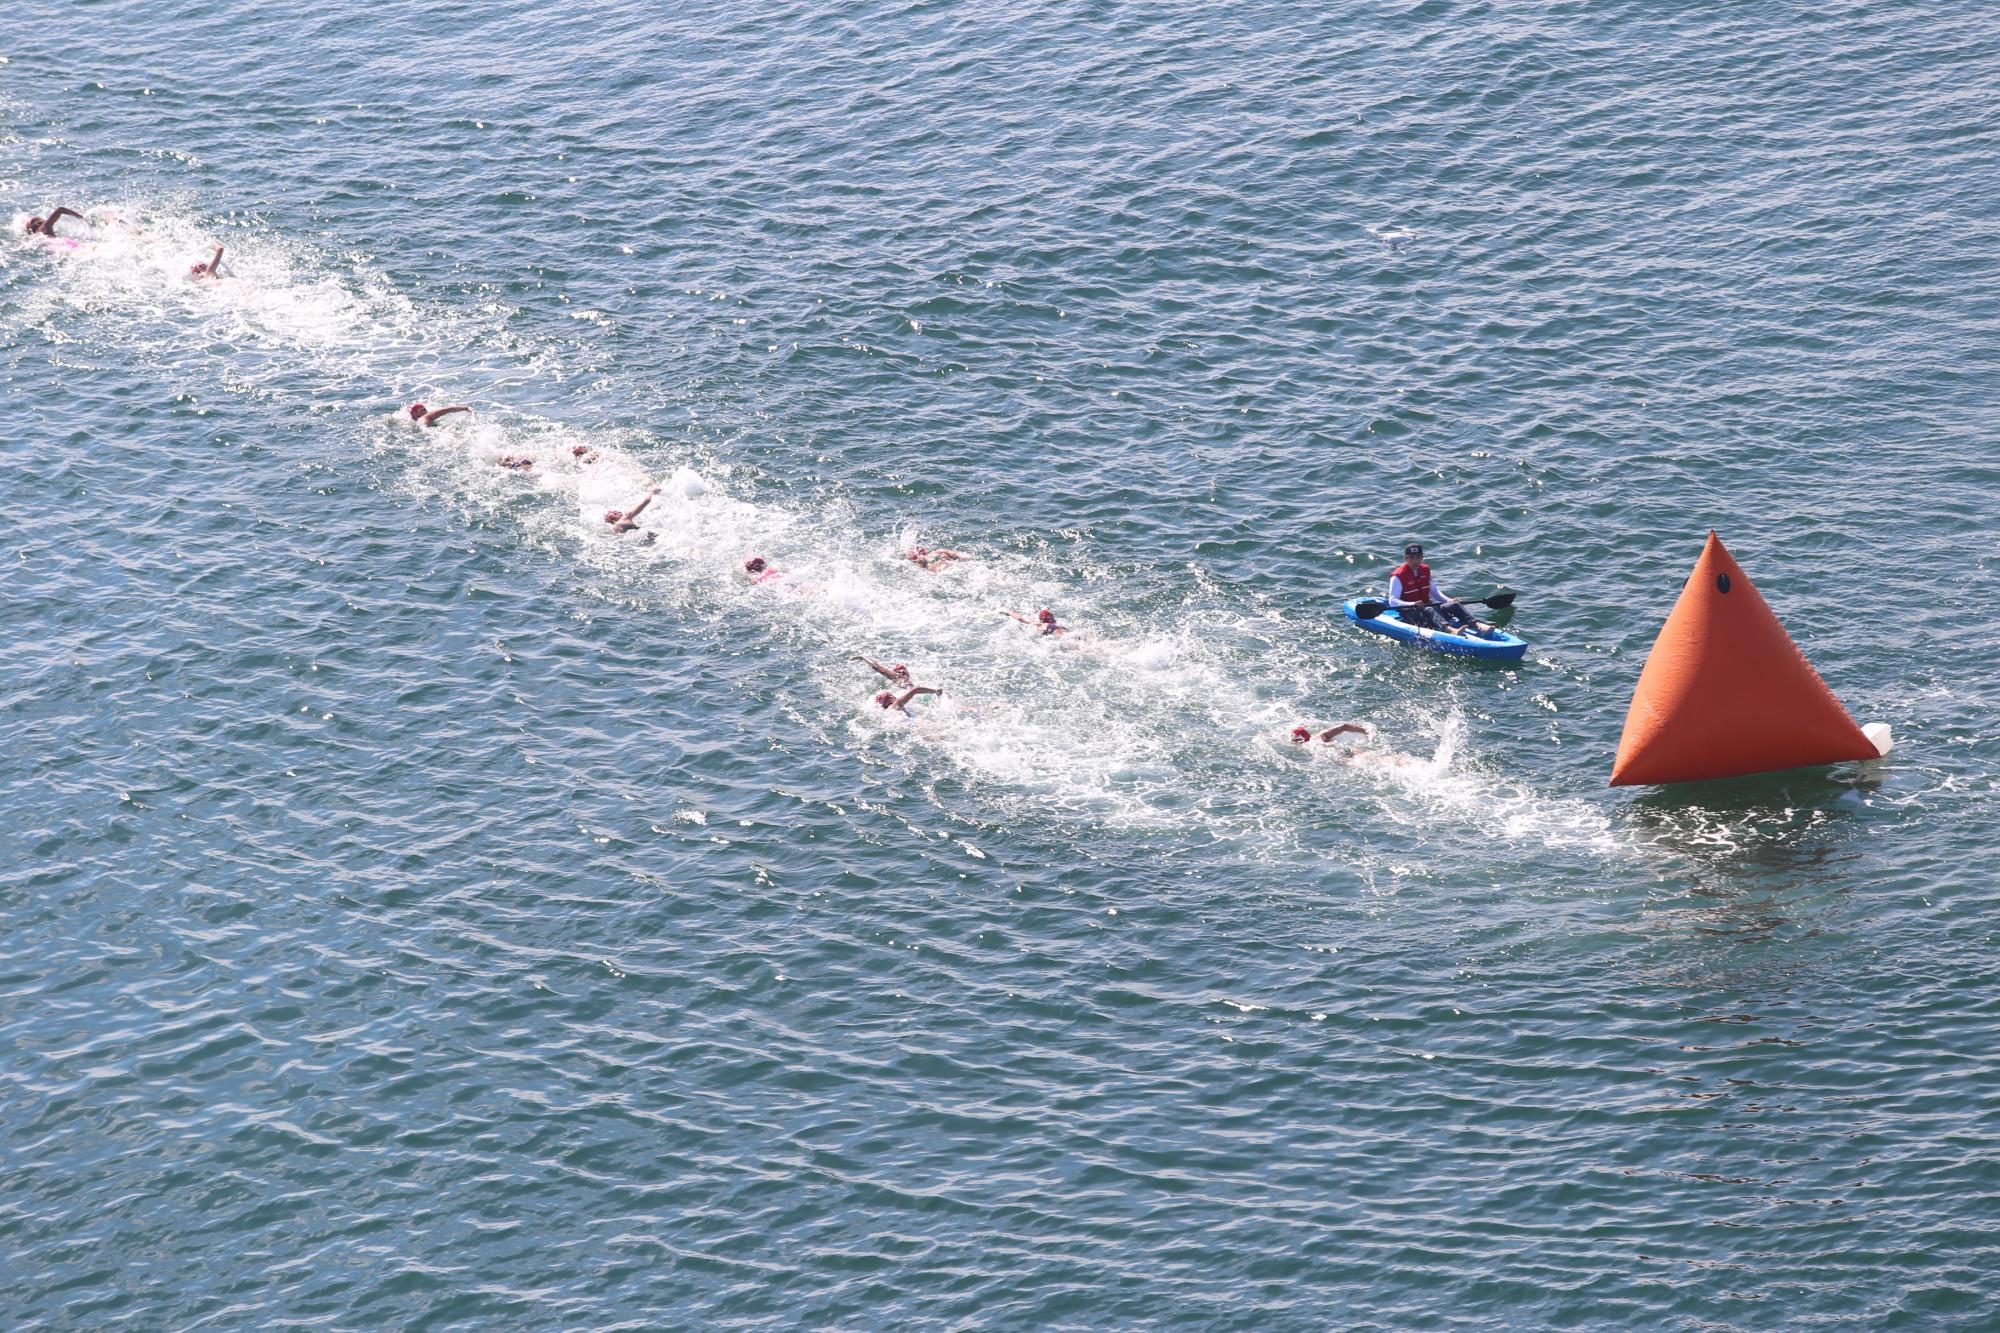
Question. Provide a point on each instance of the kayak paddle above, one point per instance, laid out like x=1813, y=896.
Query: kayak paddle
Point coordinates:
x=1370, y=609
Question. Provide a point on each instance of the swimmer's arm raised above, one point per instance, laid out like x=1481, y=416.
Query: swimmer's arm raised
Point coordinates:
x=49, y=224
x=914, y=691
x=431, y=417
x=881, y=670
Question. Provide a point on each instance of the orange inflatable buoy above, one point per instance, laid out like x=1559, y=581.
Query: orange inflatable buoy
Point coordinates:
x=1725, y=691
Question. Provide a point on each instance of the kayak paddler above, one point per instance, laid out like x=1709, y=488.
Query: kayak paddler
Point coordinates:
x=1421, y=602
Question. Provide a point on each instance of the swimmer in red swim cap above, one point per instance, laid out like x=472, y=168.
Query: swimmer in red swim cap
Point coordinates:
x=47, y=226
x=898, y=674
x=1044, y=624
x=1302, y=734
x=890, y=701
x=930, y=559
x=621, y=520
x=430, y=416
x=1361, y=754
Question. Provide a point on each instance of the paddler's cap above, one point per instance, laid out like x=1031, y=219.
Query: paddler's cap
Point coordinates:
x=1300, y=735
x=1414, y=548
x=1046, y=616
x=416, y=411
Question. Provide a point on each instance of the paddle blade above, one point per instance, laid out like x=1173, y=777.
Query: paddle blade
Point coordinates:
x=1499, y=599
x=1369, y=610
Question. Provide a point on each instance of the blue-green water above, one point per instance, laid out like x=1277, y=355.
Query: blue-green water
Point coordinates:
x=423, y=909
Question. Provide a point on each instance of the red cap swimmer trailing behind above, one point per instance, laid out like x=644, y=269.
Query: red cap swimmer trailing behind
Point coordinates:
x=1300, y=735
x=416, y=411
x=886, y=699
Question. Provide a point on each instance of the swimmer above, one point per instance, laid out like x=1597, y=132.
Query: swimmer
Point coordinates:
x=761, y=570
x=930, y=560
x=47, y=226
x=1359, y=755
x=897, y=675
x=621, y=520
x=428, y=416
x=1301, y=734
x=518, y=462
x=1044, y=624
x=890, y=701
x=583, y=453
x=212, y=269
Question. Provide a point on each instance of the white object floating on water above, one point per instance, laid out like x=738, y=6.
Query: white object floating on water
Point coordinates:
x=1878, y=734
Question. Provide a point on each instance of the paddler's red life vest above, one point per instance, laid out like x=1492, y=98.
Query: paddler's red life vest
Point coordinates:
x=1416, y=581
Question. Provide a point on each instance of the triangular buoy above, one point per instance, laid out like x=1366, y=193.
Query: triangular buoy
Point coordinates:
x=1726, y=692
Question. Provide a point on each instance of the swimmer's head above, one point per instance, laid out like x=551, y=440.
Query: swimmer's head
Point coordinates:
x=1300, y=735
x=614, y=516
x=1046, y=616
x=416, y=411
x=35, y=226
x=754, y=565
x=886, y=699
x=917, y=553
x=899, y=671
x=197, y=270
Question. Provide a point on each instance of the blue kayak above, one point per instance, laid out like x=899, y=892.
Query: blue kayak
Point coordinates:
x=1495, y=645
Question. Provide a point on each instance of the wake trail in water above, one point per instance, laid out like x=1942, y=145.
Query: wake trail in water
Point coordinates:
x=1166, y=707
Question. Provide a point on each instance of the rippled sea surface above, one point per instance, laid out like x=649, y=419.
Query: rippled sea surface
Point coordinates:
x=423, y=908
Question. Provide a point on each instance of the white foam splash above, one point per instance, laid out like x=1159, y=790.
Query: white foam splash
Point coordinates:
x=1165, y=718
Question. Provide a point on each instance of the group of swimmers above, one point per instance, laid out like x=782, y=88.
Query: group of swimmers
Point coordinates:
x=209, y=269
x=1043, y=624
x=1412, y=593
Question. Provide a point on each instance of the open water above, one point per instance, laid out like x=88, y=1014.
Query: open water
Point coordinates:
x=420, y=908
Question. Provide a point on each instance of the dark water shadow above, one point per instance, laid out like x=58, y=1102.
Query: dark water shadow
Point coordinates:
x=1756, y=859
